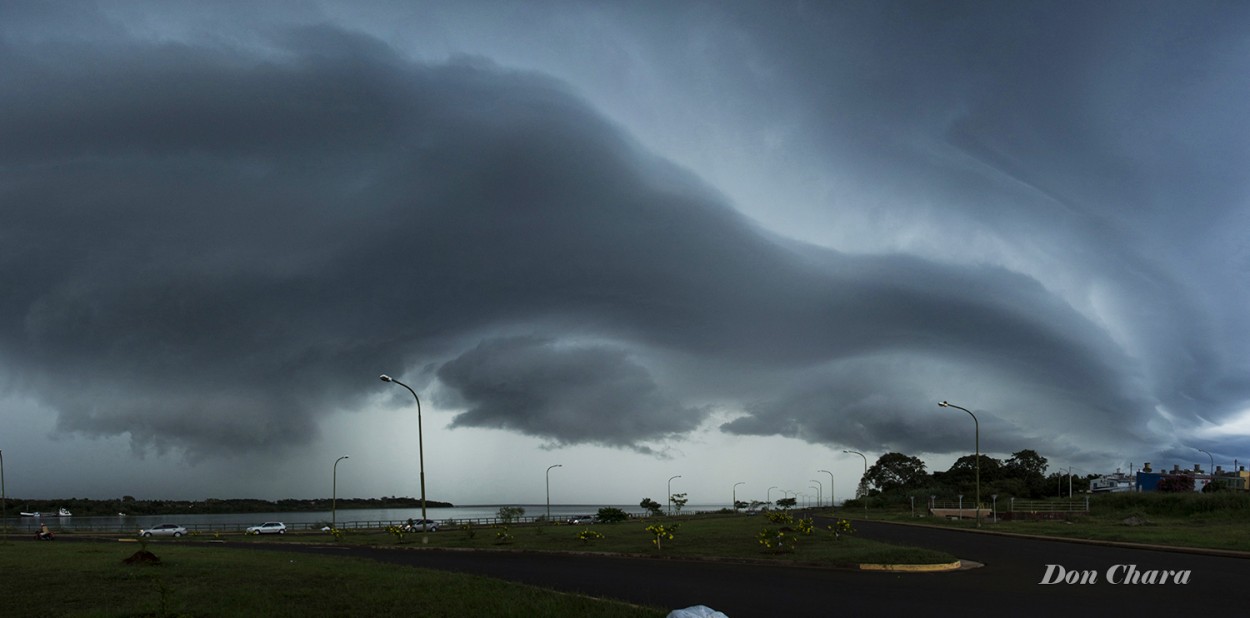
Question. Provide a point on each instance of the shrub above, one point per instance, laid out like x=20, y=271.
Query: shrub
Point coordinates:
x=502, y=537
x=611, y=515
x=777, y=540
x=588, y=535
x=661, y=532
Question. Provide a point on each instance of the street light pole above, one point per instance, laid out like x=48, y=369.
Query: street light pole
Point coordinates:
x=977, y=426
x=1211, y=470
x=735, y=492
x=865, y=481
x=549, y=490
x=334, y=493
x=820, y=493
x=425, y=526
x=833, y=497
x=670, y=493
x=769, y=496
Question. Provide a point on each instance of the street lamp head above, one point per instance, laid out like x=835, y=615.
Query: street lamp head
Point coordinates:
x=385, y=378
x=943, y=404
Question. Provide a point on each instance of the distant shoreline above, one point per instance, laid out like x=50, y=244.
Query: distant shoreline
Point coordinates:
x=85, y=507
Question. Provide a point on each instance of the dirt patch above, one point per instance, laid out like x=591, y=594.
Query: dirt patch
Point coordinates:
x=142, y=556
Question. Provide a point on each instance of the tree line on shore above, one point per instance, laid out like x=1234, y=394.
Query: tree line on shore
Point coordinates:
x=129, y=505
x=897, y=477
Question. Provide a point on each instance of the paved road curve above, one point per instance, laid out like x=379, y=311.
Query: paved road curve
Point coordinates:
x=1008, y=584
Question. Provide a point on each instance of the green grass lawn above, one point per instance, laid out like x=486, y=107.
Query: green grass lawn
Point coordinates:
x=706, y=536
x=201, y=580
x=1212, y=521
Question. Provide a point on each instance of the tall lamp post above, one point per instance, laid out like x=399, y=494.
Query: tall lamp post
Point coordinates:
x=832, y=496
x=735, y=492
x=425, y=526
x=334, y=493
x=819, y=491
x=549, y=490
x=4, y=507
x=769, y=496
x=865, y=481
x=1211, y=470
x=670, y=493
x=977, y=427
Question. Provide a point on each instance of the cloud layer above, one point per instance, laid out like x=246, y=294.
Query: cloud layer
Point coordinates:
x=214, y=247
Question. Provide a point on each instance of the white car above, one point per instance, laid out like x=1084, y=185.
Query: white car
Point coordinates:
x=173, y=530
x=269, y=527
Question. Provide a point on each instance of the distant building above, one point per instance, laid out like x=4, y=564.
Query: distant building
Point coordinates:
x=1148, y=480
x=1112, y=483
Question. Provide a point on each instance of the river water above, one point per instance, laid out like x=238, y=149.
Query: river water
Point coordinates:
x=485, y=514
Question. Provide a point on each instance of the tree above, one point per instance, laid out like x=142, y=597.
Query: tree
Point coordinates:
x=1028, y=469
x=652, y=507
x=509, y=513
x=609, y=515
x=1176, y=483
x=896, y=471
x=786, y=503
x=679, y=500
x=964, y=470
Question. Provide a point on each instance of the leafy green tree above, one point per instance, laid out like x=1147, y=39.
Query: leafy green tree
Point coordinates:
x=741, y=504
x=786, y=503
x=508, y=514
x=1026, y=473
x=609, y=514
x=896, y=471
x=652, y=507
x=679, y=500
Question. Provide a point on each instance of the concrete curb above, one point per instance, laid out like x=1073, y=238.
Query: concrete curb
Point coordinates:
x=916, y=568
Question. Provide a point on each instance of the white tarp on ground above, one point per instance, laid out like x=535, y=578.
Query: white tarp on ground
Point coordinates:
x=696, y=611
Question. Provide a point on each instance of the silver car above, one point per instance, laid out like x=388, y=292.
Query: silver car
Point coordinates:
x=173, y=530
x=269, y=527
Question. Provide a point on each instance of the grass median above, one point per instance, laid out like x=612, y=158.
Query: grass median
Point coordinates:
x=735, y=537
x=90, y=579
x=1192, y=520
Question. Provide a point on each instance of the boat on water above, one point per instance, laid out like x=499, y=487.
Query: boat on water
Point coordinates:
x=63, y=512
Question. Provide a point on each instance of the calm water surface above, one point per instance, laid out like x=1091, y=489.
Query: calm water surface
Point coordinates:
x=345, y=518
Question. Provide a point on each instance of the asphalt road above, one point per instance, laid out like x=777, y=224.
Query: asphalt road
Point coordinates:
x=1008, y=583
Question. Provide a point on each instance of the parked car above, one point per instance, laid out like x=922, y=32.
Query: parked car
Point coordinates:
x=417, y=525
x=269, y=527
x=173, y=530
x=582, y=519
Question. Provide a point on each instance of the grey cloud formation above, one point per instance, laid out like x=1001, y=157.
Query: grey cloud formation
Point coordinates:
x=573, y=393
x=215, y=246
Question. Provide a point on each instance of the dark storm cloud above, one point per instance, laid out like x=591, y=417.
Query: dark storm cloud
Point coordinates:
x=568, y=392
x=205, y=247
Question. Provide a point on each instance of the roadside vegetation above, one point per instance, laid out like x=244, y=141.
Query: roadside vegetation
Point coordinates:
x=723, y=536
x=201, y=580
x=1211, y=520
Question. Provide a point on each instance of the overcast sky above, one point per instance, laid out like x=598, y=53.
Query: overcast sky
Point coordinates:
x=720, y=240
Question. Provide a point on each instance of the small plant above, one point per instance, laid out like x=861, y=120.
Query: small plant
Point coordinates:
x=806, y=526
x=780, y=517
x=840, y=527
x=588, y=535
x=397, y=531
x=503, y=537
x=337, y=533
x=777, y=540
x=661, y=532
x=469, y=530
